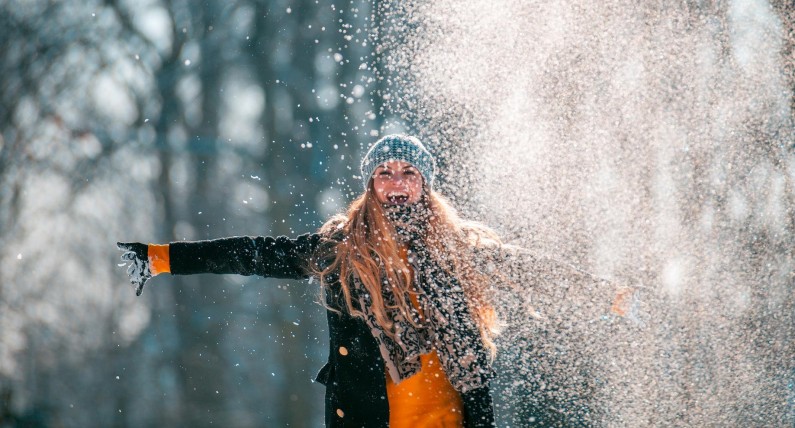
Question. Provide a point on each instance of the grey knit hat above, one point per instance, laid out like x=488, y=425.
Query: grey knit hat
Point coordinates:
x=399, y=147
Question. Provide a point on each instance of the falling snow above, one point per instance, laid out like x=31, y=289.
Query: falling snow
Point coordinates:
x=647, y=144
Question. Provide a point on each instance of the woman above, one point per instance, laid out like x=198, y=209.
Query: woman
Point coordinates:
x=410, y=326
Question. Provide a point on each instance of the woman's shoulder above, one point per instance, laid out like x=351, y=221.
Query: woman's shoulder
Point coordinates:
x=334, y=230
x=329, y=236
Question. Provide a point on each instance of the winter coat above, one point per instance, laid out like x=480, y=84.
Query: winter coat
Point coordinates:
x=355, y=375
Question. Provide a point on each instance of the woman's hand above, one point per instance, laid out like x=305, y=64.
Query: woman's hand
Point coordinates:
x=138, y=269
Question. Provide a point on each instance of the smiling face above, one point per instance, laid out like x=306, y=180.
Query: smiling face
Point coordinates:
x=397, y=183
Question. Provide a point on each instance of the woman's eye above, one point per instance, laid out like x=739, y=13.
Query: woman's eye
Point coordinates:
x=408, y=172
x=384, y=173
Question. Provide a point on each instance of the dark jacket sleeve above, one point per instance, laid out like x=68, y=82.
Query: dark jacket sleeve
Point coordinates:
x=478, y=408
x=557, y=287
x=278, y=257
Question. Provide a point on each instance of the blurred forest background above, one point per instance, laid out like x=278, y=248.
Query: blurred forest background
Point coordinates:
x=157, y=121
x=162, y=120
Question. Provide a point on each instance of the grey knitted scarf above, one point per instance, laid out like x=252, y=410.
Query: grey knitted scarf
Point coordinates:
x=446, y=325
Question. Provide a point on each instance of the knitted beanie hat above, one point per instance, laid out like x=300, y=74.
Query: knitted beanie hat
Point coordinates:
x=399, y=147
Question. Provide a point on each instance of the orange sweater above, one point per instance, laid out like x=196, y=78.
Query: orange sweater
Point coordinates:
x=426, y=399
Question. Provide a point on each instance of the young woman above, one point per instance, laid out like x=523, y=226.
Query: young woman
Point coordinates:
x=410, y=324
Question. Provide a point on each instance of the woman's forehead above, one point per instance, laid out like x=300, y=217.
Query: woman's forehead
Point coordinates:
x=395, y=164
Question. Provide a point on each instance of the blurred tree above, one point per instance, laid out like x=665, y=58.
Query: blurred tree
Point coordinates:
x=305, y=61
x=144, y=111
x=59, y=141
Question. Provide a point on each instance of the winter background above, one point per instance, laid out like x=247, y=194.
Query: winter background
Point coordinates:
x=649, y=142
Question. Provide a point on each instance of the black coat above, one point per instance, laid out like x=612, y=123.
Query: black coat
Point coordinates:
x=355, y=375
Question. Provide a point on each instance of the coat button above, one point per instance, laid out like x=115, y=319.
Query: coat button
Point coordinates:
x=340, y=413
x=343, y=351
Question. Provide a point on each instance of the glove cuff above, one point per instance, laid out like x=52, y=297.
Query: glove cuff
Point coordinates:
x=622, y=301
x=159, y=261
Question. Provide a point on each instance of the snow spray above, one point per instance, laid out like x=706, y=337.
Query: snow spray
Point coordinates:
x=649, y=143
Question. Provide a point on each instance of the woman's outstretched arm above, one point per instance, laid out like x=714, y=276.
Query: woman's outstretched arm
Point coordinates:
x=277, y=257
x=559, y=287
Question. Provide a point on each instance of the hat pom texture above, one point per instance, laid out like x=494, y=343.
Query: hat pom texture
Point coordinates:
x=398, y=147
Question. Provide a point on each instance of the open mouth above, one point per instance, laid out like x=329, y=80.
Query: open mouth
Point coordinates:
x=397, y=198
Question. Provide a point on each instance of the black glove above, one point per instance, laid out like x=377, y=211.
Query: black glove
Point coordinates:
x=138, y=269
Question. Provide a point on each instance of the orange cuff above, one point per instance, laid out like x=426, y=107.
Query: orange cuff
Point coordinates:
x=158, y=259
x=622, y=301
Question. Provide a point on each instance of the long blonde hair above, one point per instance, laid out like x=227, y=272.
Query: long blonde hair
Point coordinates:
x=368, y=236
